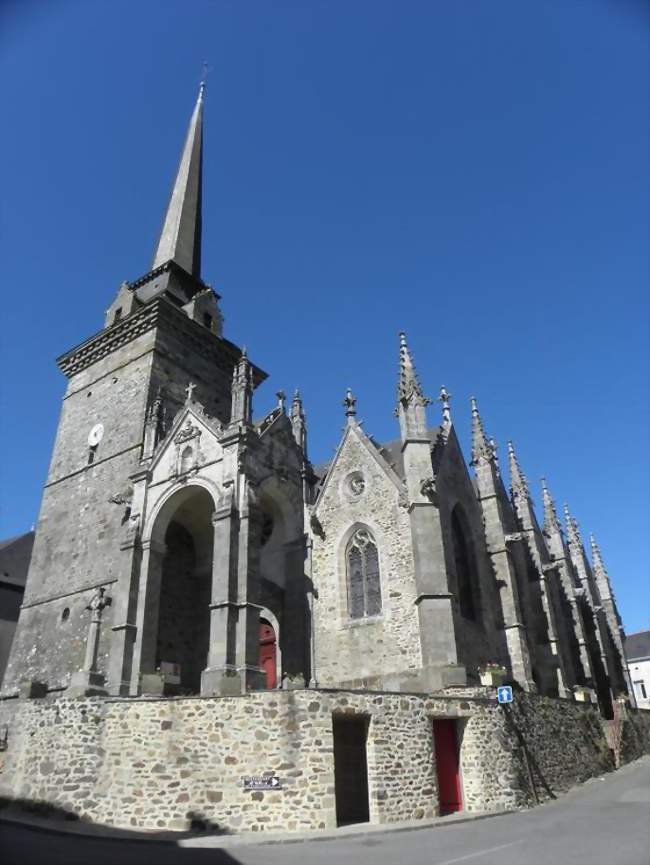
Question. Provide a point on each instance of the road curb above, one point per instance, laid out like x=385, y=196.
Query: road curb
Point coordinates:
x=182, y=839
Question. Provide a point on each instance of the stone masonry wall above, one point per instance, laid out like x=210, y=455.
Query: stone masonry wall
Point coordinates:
x=156, y=764
x=369, y=649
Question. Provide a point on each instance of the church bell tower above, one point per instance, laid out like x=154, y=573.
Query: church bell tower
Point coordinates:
x=161, y=348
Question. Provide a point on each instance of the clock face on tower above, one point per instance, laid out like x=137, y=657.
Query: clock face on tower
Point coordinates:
x=95, y=435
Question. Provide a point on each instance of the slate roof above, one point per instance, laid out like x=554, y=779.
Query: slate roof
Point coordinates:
x=15, y=555
x=637, y=646
x=391, y=451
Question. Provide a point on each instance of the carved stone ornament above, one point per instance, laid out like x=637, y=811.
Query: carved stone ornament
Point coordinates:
x=132, y=527
x=225, y=498
x=188, y=431
x=428, y=488
x=123, y=498
x=353, y=486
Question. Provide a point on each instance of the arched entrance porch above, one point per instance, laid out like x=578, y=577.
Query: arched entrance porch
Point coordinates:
x=175, y=599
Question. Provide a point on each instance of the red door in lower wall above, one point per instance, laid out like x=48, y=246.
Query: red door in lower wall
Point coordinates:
x=267, y=655
x=446, y=747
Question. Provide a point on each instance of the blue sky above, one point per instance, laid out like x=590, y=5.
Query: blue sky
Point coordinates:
x=474, y=173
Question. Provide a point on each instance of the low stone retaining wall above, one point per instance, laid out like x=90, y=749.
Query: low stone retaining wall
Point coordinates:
x=155, y=764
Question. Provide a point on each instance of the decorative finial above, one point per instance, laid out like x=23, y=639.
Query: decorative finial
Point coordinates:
x=189, y=390
x=518, y=482
x=445, y=398
x=409, y=388
x=484, y=449
x=349, y=403
x=281, y=395
x=244, y=351
x=551, y=521
x=573, y=530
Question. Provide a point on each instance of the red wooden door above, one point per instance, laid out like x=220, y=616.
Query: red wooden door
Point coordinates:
x=446, y=747
x=267, y=653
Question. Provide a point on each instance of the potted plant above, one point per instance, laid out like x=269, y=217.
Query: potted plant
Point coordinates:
x=582, y=694
x=492, y=674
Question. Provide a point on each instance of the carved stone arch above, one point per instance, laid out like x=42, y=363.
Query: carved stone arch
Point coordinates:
x=153, y=513
x=343, y=543
x=173, y=616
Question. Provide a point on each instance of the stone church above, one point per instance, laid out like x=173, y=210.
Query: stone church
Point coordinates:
x=186, y=547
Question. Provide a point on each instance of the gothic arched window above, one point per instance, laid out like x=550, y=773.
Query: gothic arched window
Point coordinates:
x=362, y=566
x=466, y=577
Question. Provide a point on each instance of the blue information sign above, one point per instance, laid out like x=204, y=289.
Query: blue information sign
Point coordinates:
x=504, y=694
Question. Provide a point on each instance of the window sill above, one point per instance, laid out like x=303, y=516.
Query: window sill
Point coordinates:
x=359, y=623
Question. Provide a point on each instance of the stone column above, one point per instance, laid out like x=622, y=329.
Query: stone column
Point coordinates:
x=498, y=522
x=120, y=665
x=295, y=661
x=504, y=570
x=148, y=607
x=248, y=608
x=221, y=675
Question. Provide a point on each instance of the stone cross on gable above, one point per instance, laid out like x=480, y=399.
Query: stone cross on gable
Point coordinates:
x=189, y=390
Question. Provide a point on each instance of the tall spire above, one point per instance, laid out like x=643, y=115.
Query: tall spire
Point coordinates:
x=518, y=482
x=484, y=449
x=180, y=239
x=408, y=387
x=551, y=520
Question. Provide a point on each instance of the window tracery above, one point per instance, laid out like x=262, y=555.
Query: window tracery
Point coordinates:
x=363, y=580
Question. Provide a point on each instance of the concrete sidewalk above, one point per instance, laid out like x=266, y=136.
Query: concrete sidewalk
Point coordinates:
x=206, y=839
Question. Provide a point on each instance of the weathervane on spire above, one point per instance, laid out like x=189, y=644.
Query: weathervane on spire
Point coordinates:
x=205, y=71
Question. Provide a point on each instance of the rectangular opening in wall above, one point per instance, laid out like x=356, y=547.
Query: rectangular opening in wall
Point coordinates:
x=445, y=737
x=350, y=769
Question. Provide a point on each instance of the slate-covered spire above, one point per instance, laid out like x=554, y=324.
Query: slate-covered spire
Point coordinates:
x=484, y=449
x=180, y=239
x=518, y=482
x=409, y=388
x=600, y=571
x=551, y=519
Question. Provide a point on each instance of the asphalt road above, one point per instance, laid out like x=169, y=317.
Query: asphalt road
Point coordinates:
x=604, y=822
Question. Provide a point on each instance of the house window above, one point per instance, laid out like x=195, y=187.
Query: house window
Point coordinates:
x=640, y=689
x=362, y=564
x=118, y=314
x=207, y=320
x=92, y=451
